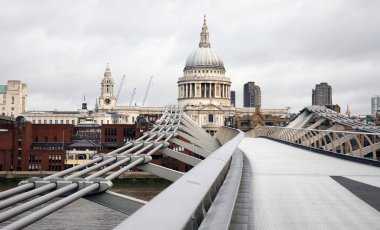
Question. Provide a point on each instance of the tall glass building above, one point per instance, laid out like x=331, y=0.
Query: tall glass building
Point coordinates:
x=375, y=105
x=322, y=94
x=252, y=95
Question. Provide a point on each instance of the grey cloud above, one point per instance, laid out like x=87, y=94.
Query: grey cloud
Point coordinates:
x=60, y=48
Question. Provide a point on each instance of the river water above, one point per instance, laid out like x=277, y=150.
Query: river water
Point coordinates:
x=84, y=214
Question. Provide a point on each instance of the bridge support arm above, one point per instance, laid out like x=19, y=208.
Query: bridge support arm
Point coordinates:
x=181, y=156
x=202, y=142
x=118, y=202
x=191, y=147
x=160, y=171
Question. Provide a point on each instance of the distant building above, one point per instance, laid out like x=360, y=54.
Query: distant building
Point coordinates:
x=335, y=108
x=252, y=95
x=375, y=105
x=322, y=94
x=233, y=96
x=13, y=98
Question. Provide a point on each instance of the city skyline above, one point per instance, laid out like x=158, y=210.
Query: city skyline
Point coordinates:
x=60, y=49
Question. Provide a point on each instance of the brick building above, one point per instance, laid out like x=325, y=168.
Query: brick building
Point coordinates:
x=25, y=146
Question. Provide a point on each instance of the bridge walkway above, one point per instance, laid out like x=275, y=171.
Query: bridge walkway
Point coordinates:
x=293, y=188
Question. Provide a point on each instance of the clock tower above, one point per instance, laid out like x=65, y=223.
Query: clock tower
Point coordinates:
x=107, y=100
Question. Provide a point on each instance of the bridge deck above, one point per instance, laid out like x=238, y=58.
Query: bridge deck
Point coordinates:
x=293, y=188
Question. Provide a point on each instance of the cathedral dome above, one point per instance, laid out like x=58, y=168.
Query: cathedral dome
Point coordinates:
x=204, y=57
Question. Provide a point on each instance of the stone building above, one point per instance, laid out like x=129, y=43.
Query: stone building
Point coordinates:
x=204, y=89
x=13, y=98
x=107, y=99
x=204, y=80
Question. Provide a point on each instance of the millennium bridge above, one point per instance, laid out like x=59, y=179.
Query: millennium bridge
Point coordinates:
x=311, y=174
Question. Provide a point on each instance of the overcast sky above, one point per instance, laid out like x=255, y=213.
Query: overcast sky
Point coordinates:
x=60, y=48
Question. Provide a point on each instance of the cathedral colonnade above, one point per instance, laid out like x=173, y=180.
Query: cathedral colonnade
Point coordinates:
x=204, y=90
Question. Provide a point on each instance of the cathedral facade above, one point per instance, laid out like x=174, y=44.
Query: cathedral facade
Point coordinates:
x=204, y=80
x=204, y=92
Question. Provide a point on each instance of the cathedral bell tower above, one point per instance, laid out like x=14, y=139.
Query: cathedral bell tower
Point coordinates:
x=107, y=100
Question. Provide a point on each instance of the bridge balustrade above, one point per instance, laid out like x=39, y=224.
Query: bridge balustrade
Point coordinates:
x=355, y=144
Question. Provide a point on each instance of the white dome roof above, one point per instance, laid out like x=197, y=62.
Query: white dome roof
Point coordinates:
x=204, y=57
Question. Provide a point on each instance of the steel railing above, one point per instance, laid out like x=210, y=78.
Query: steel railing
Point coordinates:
x=356, y=144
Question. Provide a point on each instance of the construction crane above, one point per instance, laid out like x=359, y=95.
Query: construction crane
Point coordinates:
x=121, y=85
x=133, y=95
x=147, y=89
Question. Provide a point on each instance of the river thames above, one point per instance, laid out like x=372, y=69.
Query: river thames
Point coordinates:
x=83, y=214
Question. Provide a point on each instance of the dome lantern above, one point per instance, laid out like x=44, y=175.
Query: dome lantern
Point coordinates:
x=204, y=43
x=204, y=56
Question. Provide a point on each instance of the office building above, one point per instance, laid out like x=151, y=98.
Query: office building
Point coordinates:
x=233, y=96
x=375, y=105
x=252, y=95
x=322, y=94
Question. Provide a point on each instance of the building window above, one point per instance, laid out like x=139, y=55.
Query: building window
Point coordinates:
x=13, y=100
x=50, y=121
x=45, y=122
x=13, y=108
x=35, y=162
x=67, y=122
x=73, y=122
x=210, y=118
x=55, y=162
x=61, y=121
x=39, y=121
x=56, y=121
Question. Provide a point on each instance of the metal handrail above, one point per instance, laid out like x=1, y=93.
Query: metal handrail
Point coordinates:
x=319, y=130
x=356, y=144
